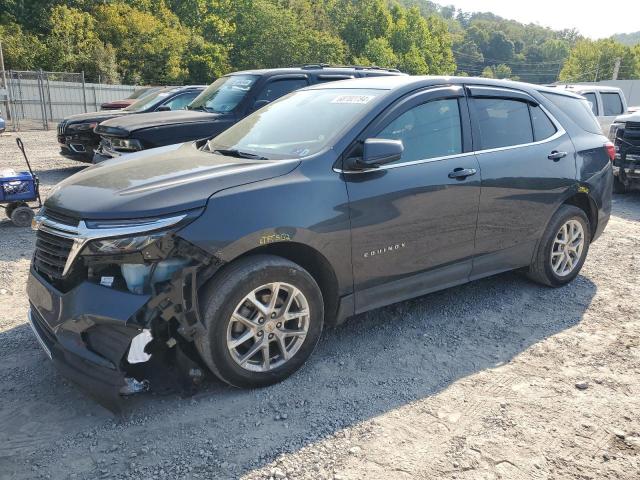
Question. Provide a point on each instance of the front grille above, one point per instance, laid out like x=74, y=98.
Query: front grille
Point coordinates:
x=42, y=327
x=61, y=127
x=632, y=126
x=60, y=217
x=51, y=254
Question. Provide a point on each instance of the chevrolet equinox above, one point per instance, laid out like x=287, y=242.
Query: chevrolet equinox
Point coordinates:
x=234, y=253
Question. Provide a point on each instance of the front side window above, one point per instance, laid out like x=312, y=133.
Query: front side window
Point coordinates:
x=279, y=88
x=591, y=98
x=300, y=124
x=503, y=122
x=224, y=94
x=429, y=130
x=611, y=104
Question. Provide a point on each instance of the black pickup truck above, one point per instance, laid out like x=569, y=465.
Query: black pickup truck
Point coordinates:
x=76, y=135
x=225, y=102
x=625, y=135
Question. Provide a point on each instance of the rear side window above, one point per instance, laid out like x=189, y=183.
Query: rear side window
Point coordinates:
x=611, y=103
x=429, y=130
x=503, y=122
x=543, y=127
x=279, y=88
x=593, y=102
x=577, y=109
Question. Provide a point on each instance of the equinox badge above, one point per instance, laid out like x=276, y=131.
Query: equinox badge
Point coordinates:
x=387, y=249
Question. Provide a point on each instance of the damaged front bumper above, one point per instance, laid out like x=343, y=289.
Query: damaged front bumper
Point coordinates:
x=87, y=332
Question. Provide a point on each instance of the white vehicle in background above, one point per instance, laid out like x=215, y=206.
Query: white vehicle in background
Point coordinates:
x=606, y=102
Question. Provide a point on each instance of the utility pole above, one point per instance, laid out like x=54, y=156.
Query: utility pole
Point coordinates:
x=598, y=67
x=4, y=83
x=616, y=69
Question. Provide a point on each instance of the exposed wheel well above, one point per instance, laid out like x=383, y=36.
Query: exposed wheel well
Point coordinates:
x=313, y=262
x=585, y=203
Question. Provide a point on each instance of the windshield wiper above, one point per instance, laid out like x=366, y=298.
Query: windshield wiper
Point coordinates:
x=232, y=152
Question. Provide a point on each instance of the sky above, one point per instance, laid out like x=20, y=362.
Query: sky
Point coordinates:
x=593, y=19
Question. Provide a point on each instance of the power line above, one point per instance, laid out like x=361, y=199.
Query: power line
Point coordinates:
x=506, y=62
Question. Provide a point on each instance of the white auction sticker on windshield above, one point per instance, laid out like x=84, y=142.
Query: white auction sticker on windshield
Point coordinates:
x=360, y=99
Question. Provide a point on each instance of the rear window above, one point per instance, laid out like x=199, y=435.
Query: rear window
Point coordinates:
x=611, y=103
x=577, y=109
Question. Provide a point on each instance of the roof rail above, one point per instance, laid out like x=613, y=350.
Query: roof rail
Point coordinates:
x=312, y=66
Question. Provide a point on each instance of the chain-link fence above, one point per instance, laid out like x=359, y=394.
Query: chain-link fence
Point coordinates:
x=38, y=100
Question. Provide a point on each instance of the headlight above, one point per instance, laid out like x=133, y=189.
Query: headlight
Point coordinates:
x=116, y=237
x=613, y=130
x=84, y=126
x=125, y=144
x=116, y=246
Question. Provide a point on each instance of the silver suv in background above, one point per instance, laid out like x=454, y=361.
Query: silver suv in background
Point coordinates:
x=606, y=102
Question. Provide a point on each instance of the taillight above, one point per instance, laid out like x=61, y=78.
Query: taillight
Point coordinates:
x=611, y=150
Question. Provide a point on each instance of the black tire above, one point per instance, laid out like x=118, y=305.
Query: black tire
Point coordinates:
x=221, y=296
x=540, y=270
x=12, y=206
x=21, y=216
x=618, y=186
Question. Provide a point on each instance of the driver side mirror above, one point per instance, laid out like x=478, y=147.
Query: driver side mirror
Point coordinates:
x=376, y=152
x=259, y=104
x=163, y=108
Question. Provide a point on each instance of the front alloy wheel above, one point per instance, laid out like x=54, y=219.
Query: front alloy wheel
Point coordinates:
x=268, y=327
x=263, y=316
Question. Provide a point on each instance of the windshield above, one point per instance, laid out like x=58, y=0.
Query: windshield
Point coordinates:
x=224, y=94
x=298, y=125
x=149, y=100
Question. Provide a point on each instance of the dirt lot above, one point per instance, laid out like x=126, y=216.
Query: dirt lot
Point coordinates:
x=476, y=382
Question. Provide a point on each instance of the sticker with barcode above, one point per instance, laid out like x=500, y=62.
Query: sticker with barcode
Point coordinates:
x=352, y=99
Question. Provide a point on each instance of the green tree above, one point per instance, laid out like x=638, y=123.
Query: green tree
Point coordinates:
x=595, y=60
x=73, y=45
x=499, y=47
x=365, y=20
x=22, y=50
x=149, y=49
x=378, y=52
x=270, y=36
x=498, y=71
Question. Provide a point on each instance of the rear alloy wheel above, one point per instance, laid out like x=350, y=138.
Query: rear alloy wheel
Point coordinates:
x=567, y=247
x=263, y=316
x=563, y=248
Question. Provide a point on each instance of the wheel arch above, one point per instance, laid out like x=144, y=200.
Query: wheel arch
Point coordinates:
x=587, y=204
x=311, y=260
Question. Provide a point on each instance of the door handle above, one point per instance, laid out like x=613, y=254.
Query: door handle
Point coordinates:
x=462, y=173
x=556, y=155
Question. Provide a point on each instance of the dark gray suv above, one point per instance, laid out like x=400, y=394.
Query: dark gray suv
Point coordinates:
x=234, y=253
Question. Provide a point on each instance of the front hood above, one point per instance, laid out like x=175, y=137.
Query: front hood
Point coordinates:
x=123, y=126
x=93, y=117
x=157, y=182
x=119, y=103
x=629, y=117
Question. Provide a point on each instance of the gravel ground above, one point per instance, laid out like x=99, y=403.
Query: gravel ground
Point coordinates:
x=500, y=378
